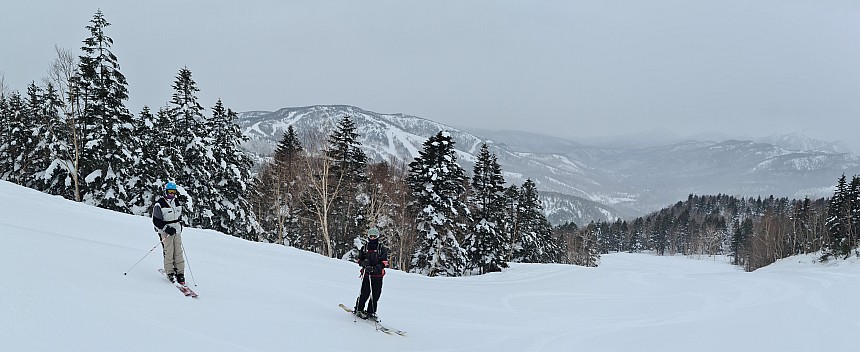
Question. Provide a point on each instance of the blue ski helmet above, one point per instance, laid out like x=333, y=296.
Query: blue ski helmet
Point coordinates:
x=170, y=185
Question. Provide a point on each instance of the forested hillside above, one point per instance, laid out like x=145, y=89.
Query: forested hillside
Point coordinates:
x=755, y=232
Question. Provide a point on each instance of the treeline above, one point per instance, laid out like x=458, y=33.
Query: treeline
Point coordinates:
x=72, y=136
x=755, y=232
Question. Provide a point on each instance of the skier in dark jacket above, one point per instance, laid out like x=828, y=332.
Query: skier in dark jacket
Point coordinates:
x=373, y=259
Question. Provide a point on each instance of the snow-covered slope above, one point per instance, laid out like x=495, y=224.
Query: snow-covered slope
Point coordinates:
x=62, y=289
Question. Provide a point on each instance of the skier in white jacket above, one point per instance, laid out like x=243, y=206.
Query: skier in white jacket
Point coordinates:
x=166, y=216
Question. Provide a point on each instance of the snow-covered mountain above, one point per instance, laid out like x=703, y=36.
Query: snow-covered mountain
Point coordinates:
x=382, y=135
x=627, y=179
x=561, y=208
x=63, y=289
x=654, y=176
x=400, y=137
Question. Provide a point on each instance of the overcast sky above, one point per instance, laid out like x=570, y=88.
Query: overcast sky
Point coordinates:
x=565, y=68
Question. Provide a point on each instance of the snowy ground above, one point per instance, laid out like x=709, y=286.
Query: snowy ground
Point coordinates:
x=62, y=289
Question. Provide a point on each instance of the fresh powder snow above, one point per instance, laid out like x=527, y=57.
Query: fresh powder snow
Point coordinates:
x=63, y=289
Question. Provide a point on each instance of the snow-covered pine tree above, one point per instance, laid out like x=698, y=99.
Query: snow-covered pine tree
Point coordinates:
x=743, y=231
x=55, y=179
x=108, y=124
x=854, y=214
x=633, y=243
x=231, y=185
x=537, y=244
x=288, y=164
x=18, y=138
x=194, y=169
x=29, y=152
x=11, y=107
x=275, y=203
x=839, y=221
x=50, y=175
x=485, y=244
x=167, y=144
x=149, y=171
x=511, y=226
x=437, y=185
x=617, y=232
x=802, y=227
x=349, y=174
x=5, y=136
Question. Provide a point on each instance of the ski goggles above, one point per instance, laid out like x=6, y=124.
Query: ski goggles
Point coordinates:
x=171, y=191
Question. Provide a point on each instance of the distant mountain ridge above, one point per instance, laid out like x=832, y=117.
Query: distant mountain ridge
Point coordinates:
x=604, y=183
x=792, y=141
x=796, y=141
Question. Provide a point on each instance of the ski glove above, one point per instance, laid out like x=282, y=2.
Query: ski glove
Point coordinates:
x=170, y=230
x=379, y=268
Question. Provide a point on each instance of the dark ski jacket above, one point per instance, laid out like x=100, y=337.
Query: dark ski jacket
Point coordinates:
x=373, y=256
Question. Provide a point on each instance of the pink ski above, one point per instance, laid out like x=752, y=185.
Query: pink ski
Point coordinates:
x=182, y=288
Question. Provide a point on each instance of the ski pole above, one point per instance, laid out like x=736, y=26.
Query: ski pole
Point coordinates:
x=144, y=256
x=182, y=246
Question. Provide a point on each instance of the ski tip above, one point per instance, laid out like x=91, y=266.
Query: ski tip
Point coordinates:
x=347, y=309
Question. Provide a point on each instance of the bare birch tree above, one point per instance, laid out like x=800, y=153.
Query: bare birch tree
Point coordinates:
x=3, y=87
x=322, y=189
x=62, y=74
x=388, y=196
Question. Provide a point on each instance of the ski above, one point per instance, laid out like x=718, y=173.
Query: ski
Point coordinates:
x=182, y=288
x=378, y=325
x=188, y=292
